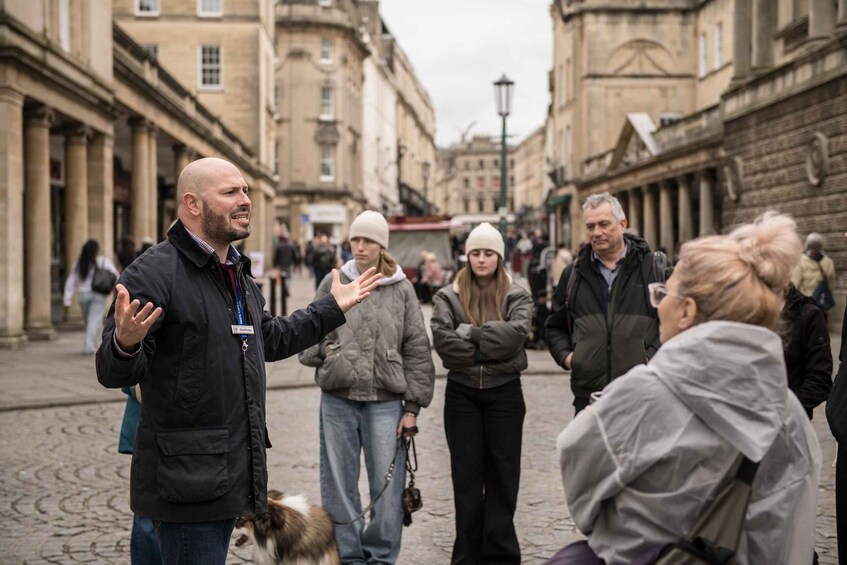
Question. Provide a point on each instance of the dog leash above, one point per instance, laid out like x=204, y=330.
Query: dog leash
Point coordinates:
x=388, y=476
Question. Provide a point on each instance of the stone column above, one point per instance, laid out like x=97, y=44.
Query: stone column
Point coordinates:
x=37, y=220
x=153, y=193
x=707, y=205
x=666, y=237
x=650, y=234
x=11, y=218
x=742, y=34
x=686, y=227
x=842, y=13
x=634, y=216
x=101, y=192
x=76, y=207
x=181, y=160
x=140, y=201
x=822, y=14
x=764, y=24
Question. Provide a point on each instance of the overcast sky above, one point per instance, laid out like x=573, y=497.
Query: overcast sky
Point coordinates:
x=460, y=47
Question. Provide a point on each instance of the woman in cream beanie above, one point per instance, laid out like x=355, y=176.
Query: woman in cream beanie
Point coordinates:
x=375, y=373
x=480, y=324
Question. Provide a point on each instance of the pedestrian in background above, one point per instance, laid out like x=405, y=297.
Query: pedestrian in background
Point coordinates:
x=561, y=260
x=323, y=259
x=143, y=545
x=93, y=303
x=375, y=374
x=601, y=324
x=641, y=466
x=189, y=325
x=479, y=325
x=126, y=253
x=284, y=256
x=808, y=353
x=815, y=267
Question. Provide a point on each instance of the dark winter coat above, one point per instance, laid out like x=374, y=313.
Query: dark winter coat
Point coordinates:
x=808, y=357
x=836, y=406
x=495, y=353
x=200, y=450
x=607, y=338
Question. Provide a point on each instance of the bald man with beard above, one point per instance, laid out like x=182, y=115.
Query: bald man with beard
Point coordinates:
x=188, y=325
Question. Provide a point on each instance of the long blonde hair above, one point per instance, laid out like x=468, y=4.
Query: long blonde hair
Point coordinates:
x=386, y=266
x=738, y=277
x=482, y=304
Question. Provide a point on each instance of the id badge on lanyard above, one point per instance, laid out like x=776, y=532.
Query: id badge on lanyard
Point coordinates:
x=241, y=329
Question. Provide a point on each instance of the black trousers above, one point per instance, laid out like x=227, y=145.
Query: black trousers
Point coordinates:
x=841, y=502
x=484, y=433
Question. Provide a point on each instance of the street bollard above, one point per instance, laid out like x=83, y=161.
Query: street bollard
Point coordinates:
x=272, y=297
x=283, y=292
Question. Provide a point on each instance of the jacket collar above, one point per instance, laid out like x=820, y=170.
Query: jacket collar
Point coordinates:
x=185, y=244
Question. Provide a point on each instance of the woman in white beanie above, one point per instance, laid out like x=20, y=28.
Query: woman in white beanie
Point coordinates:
x=480, y=324
x=375, y=373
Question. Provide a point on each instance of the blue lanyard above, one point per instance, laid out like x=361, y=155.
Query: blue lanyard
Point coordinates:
x=239, y=312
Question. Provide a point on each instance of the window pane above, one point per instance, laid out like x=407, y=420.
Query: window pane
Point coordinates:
x=211, y=6
x=210, y=65
x=326, y=101
x=326, y=49
x=148, y=5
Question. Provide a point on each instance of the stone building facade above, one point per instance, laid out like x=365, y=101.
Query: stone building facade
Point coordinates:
x=530, y=172
x=751, y=116
x=469, y=177
x=355, y=123
x=94, y=133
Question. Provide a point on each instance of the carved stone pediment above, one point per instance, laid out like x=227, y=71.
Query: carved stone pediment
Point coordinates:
x=635, y=143
x=640, y=57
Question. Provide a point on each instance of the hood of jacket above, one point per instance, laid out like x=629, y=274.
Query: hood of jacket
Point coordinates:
x=352, y=272
x=732, y=376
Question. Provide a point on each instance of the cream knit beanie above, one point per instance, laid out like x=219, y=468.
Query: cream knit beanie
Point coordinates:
x=484, y=236
x=370, y=225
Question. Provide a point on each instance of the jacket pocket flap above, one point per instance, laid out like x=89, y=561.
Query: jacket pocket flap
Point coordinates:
x=193, y=442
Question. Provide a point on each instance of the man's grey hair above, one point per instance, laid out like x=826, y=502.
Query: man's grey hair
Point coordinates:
x=595, y=200
x=814, y=241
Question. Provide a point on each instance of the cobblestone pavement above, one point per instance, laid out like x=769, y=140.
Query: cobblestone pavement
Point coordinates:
x=64, y=489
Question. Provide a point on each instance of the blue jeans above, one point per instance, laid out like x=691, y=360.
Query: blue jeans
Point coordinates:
x=194, y=543
x=347, y=428
x=93, y=305
x=143, y=547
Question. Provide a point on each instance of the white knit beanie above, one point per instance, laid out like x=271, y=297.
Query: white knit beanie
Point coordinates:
x=370, y=225
x=484, y=236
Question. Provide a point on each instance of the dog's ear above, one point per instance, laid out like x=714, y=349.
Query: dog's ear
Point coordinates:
x=275, y=495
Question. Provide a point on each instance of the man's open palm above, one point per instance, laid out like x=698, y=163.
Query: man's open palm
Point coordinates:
x=350, y=294
x=132, y=325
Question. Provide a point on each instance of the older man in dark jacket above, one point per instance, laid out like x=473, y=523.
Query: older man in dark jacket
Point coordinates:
x=198, y=348
x=602, y=323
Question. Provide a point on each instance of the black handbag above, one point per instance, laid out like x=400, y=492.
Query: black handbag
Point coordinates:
x=103, y=281
x=412, y=501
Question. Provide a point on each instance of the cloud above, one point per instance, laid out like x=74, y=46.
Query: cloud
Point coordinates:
x=460, y=47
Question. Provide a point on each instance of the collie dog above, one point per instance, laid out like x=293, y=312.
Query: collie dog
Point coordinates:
x=291, y=532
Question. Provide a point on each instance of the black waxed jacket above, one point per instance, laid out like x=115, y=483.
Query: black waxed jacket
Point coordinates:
x=200, y=448
x=808, y=356
x=607, y=338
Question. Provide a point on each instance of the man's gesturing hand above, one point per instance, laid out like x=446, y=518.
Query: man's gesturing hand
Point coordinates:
x=131, y=325
x=348, y=295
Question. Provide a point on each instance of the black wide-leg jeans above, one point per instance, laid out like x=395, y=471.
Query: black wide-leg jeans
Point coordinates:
x=484, y=432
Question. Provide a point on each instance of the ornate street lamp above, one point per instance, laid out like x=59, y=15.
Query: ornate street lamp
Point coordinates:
x=503, y=95
x=425, y=172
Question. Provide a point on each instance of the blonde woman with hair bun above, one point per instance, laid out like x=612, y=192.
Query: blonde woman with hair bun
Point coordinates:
x=665, y=436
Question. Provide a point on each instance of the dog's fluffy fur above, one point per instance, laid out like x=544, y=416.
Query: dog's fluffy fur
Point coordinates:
x=292, y=532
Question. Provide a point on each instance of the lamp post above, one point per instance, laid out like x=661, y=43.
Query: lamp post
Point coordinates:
x=503, y=95
x=425, y=172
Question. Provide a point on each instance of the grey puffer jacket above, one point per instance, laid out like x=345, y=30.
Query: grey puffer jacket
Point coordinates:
x=495, y=353
x=383, y=351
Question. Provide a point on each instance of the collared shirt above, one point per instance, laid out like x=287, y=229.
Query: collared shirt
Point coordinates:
x=232, y=256
x=609, y=275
